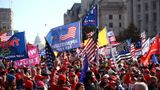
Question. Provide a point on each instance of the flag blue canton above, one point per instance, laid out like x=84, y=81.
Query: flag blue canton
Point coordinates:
x=91, y=18
x=50, y=57
x=9, y=33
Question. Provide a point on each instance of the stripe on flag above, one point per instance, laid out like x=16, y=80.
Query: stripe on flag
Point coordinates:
x=126, y=57
x=132, y=50
x=5, y=36
x=71, y=33
x=91, y=47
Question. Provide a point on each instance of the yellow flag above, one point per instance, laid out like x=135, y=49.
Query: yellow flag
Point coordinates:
x=85, y=42
x=102, y=38
x=55, y=53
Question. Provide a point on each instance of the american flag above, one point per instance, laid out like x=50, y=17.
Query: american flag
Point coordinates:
x=5, y=36
x=71, y=33
x=143, y=37
x=50, y=57
x=91, y=47
x=132, y=50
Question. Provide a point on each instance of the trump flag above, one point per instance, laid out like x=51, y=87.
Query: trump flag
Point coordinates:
x=14, y=48
x=65, y=37
x=91, y=18
x=33, y=57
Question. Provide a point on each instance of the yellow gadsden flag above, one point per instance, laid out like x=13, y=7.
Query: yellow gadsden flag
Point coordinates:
x=103, y=38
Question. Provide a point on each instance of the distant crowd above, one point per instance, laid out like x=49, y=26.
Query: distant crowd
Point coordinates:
x=66, y=75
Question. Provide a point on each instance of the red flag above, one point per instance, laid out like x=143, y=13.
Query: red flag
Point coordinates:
x=154, y=49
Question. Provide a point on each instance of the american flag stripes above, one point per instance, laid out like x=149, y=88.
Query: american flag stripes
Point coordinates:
x=71, y=33
x=91, y=47
x=126, y=57
x=5, y=36
x=132, y=50
x=50, y=57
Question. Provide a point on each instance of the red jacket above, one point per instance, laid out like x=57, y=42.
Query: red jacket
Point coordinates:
x=53, y=83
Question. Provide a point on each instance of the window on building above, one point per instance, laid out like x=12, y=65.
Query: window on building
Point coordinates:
x=146, y=6
x=155, y=17
x=120, y=17
x=110, y=25
x=110, y=17
x=120, y=24
x=146, y=18
x=139, y=8
x=154, y=5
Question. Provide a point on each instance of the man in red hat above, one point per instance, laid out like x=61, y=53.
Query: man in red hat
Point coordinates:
x=60, y=84
x=73, y=79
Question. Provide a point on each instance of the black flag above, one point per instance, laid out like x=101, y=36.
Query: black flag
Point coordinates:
x=50, y=57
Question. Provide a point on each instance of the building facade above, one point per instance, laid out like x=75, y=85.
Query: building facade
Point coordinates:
x=117, y=15
x=112, y=13
x=5, y=19
x=145, y=15
x=72, y=15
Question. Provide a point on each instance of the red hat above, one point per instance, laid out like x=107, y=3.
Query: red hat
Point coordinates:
x=40, y=84
x=39, y=77
x=62, y=77
x=114, y=78
x=64, y=68
x=18, y=76
x=71, y=74
x=78, y=74
x=146, y=70
x=112, y=83
x=28, y=84
x=153, y=70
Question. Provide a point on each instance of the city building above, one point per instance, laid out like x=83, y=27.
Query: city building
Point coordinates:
x=145, y=15
x=38, y=42
x=112, y=13
x=5, y=19
x=72, y=15
x=117, y=15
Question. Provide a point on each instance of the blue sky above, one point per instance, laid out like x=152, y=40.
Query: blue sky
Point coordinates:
x=37, y=16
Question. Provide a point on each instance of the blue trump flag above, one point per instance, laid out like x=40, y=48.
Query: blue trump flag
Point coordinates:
x=65, y=37
x=91, y=18
x=15, y=48
x=84, y=69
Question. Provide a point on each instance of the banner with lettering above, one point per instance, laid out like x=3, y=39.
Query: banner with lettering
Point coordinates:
x=65, y=37
x=14, y=48
x=33, y=57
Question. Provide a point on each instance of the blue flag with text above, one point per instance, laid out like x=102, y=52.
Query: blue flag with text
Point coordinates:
x=15, y=48
x=91, y=18
x=65, y=37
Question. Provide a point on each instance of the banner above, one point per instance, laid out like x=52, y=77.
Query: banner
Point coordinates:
x=91, y=18
x=65, y=37
x=14, y=48
x=33, y=57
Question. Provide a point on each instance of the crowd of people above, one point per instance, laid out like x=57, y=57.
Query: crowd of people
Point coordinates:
x=66, y=74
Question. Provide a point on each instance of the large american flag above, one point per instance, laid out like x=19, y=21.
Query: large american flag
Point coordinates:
x=91, y=47
x=5, y=36
x=50, y=57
